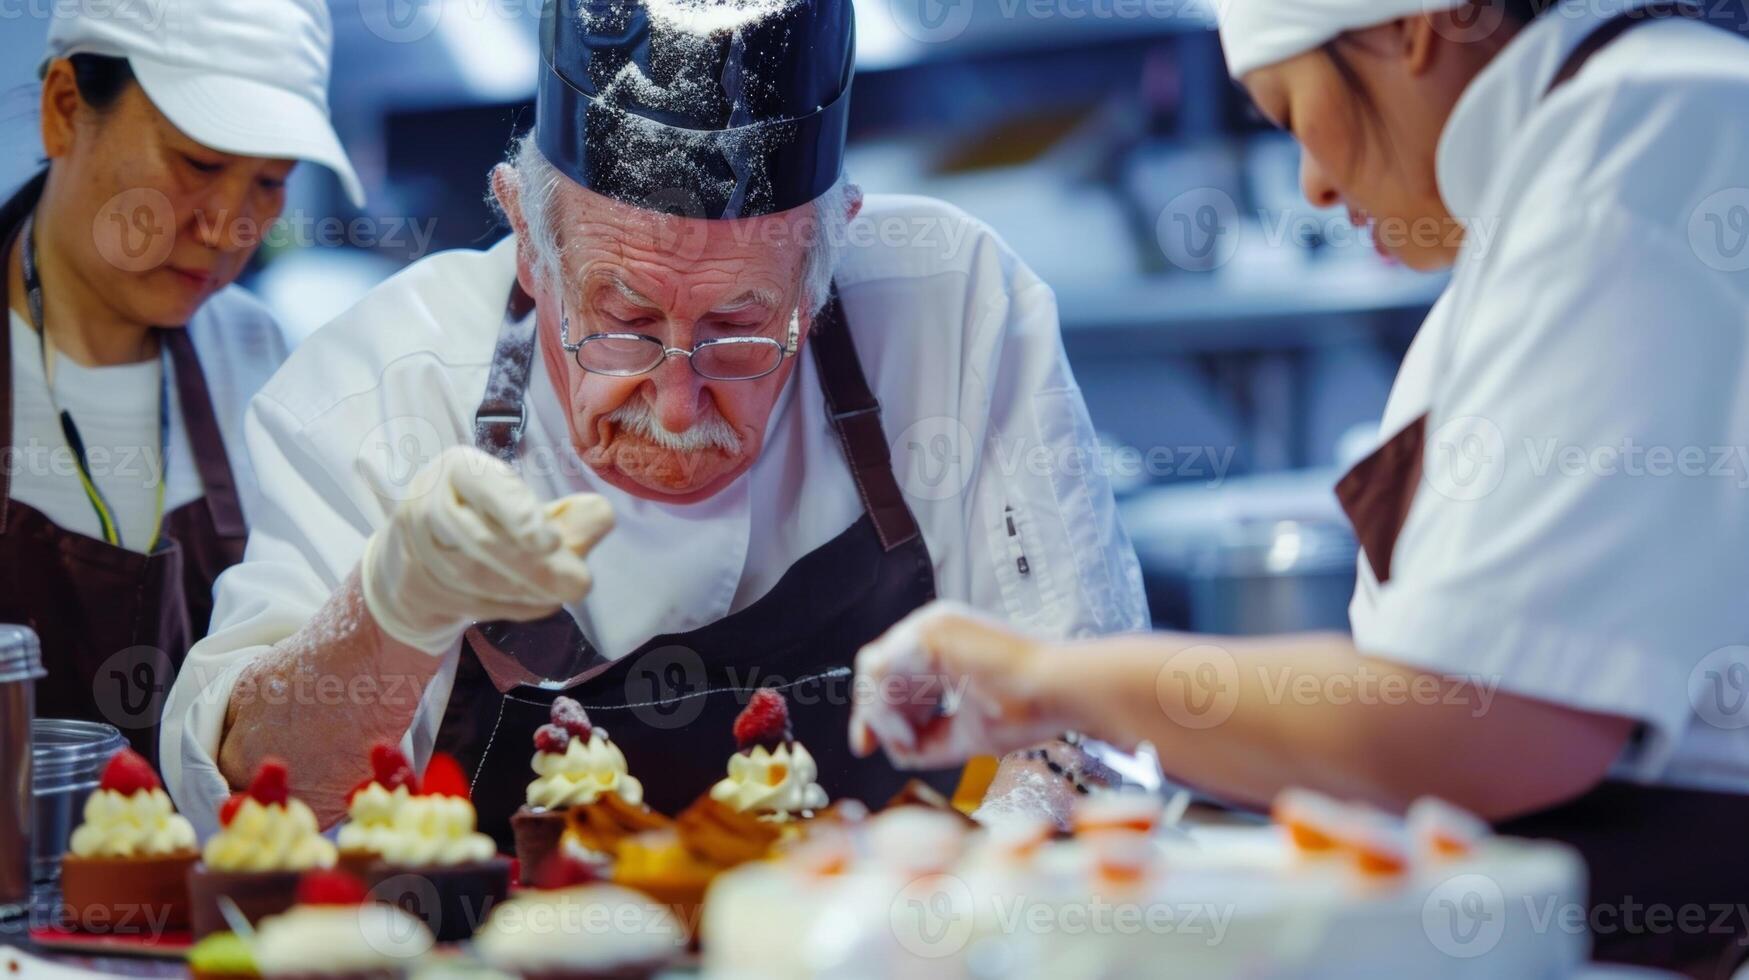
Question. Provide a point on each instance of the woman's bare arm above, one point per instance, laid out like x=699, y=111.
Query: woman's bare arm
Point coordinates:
x=1246, y=717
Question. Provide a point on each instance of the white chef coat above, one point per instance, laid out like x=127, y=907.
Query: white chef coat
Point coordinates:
x=116, y=409
x=1593, y=325
x=960, y=343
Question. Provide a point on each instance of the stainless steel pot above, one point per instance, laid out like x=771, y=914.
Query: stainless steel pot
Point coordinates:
x=1269, y=554
x=69, y=757
x=20, y=668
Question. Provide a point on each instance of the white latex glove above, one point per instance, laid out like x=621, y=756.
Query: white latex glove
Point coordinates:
x=477, y=546
x=946, y=684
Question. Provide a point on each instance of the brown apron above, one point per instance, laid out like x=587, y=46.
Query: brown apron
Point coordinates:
x=671, y=704
x=1646, y=846
x=115, y=624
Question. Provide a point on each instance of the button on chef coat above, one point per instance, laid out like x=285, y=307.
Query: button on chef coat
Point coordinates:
x=1581, y=531
x=959, y=339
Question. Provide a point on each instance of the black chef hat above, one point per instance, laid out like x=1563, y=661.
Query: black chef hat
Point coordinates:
x=702, y=108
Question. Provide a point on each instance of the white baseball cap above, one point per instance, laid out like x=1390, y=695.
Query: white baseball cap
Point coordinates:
x=240, y=76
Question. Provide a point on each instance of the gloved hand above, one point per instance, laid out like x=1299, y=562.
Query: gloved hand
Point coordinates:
x=948, y=683
x=477, y=546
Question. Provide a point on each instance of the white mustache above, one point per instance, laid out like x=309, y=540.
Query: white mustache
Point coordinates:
x=712, y=432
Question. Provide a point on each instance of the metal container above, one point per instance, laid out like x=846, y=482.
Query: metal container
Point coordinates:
x=1259, y=555
x=69, y=757
x=20, y=668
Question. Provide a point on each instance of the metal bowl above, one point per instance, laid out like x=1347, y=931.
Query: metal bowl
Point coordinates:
x=67, y=759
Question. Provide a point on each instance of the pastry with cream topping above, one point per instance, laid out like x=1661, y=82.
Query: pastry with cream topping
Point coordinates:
x=427, y=847
x=772, y=775
x=126, y=869
x=266, y=841
x=578, y=770
x=371, y=808
x=335, y=932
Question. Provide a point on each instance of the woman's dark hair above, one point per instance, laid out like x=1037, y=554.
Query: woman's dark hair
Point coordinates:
x=101, y=79
x=1519, y=12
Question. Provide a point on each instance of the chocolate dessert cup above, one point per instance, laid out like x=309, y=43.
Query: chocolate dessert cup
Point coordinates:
x=127, y=895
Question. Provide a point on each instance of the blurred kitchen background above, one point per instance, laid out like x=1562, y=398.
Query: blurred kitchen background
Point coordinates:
x=1235, y=346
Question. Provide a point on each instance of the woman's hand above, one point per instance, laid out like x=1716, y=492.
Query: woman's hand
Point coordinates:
x=948, y=683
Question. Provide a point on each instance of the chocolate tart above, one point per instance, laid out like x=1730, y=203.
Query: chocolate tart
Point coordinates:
x=127, y=896
x=358, y=864
x=721, y=835
x=451, y=901
x=537, y=831
x=258, y=894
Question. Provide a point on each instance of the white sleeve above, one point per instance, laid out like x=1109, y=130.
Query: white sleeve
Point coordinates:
x=1580, y=535
x=314, y=517
x=1048, y=552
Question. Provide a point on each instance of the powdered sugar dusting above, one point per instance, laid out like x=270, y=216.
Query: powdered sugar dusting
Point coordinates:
x=706, y=17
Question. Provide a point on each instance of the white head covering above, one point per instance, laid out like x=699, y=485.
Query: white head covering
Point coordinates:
x=1256, y=33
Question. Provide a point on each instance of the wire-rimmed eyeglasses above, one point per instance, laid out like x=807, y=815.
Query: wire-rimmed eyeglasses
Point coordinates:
x=627, y=355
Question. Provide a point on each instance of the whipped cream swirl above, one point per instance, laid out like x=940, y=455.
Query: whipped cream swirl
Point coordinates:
x=271, y=837
x=586, y=771
x=131, y=825
x=780, y=783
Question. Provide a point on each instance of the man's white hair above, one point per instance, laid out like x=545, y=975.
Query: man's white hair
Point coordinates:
x=539, y=183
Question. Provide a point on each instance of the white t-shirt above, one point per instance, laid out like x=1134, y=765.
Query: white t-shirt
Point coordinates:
x=1581, y=533
x=959, y=339
x=116, y=410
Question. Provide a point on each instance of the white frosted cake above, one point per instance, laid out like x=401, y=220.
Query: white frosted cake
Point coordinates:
x=1327, y=891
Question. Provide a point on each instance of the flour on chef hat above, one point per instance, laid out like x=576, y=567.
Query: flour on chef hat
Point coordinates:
x=1256, y=33
x=683, y=39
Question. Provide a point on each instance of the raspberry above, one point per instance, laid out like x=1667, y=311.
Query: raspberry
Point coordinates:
x=229, y=809
x=331, y=888
x=765, y=721
x=551, y=738
x=443, y=777
x=390, y=767
x=128, y=773
x=270, y=785
x=570, y=716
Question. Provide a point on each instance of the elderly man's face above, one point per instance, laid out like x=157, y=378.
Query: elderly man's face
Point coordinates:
x=669, y=434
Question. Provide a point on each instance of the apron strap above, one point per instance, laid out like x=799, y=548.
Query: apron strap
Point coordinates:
x=204, y=437
x=856, y=416
x=499, y=420
x=1604, y=36
x=12, y=215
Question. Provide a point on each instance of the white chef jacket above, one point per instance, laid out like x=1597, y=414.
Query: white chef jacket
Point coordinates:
x=960, y=343
x=1581, y=531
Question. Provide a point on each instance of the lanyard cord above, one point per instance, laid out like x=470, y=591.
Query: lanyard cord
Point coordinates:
x=105, y=514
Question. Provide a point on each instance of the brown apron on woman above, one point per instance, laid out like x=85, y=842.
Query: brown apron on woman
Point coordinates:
x=1647, y=847
x=671, y=705
x=115, y=624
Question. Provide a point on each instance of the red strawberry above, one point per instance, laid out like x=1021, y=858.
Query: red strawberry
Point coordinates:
x=551, y=738
x=128, y=773
x=391, y=768
x=570, y=716
x=765, y=721
x=229, y=809
x=331, y=888
x=270, y=786
x=564, y=871
x=443, y=777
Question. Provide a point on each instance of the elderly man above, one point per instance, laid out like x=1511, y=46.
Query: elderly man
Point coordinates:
x=682, y=234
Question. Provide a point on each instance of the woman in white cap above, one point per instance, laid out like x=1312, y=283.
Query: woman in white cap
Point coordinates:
x=1549, y=623
x=130, y=357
